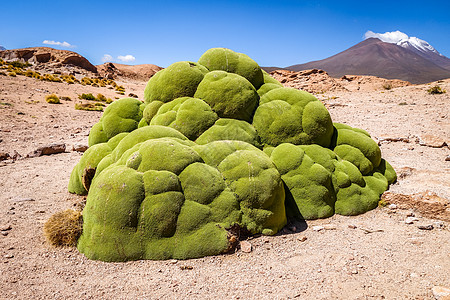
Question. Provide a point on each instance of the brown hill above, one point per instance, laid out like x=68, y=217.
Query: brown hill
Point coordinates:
x=51, y=57
x=318, y=81
x=138, y=72
x=377, y=58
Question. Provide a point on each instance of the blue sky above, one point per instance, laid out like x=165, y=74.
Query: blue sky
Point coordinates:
x=274, y=33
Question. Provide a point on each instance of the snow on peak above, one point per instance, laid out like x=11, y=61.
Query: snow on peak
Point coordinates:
x=402, y=39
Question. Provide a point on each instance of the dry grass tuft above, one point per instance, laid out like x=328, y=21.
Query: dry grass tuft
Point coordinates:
x=52, y=98
x=64, y=228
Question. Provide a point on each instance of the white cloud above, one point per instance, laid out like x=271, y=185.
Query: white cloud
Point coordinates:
x=107, y=58
x=55, y=43
x=126, y=58
x=388, y=37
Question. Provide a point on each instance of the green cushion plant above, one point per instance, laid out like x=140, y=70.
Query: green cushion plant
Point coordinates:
x=217, y=145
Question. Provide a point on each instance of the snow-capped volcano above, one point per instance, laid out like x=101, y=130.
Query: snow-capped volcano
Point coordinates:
x=402, y=39
x=2, y=48
x=418, y=46
x=392, y=55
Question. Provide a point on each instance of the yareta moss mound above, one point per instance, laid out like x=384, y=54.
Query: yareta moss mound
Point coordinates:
x=162, y=200
x=218, y=146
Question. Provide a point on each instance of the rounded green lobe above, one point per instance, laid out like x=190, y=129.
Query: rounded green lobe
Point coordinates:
x=229, y=95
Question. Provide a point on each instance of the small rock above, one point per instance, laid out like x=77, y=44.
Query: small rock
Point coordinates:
x=355, y=272
x=392, y=206
x=432, y=141
x=441, y=292
x=5, y=227
x=8, y=256
x=173, y=261
x=426, y=227
x=186, y=267
x=23, y=200
x=318, y=228
x=447, y=158
x=439, y=224
x=48, y=150
x=80, y=147
x=329, y=227
x=4, y=156
x=411, y=220
x=352, y=226
x=302, y=238
x=15, y=155
x=410, y=214
x=4, y=233
x=246, y=247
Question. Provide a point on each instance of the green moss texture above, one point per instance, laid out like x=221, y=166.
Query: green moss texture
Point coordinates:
x=120, y=116
x=217, y=144
x=176, y=204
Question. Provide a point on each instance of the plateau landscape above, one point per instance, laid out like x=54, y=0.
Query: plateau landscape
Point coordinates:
x=212, y=168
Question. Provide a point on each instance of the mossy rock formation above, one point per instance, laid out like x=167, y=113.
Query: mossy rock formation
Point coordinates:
x=217, y=145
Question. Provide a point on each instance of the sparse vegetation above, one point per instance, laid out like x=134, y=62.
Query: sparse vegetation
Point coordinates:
x=18, y=64
x=403, y=103
x=52, y=98
x=101, y=97
x=89, y=106
x=120, y=89
x=435, y=90
x=16, y=68
x=387, y=86
x=65, y=98
x=64, y=228
x=132, y=95
x=32, y=102
x=383, y=202
x=86, y=96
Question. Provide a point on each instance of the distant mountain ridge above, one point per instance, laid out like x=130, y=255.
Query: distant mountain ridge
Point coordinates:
x=2, y=48
x=55, y=59
x=390, y=55
x=374, y=57
x=50, y=56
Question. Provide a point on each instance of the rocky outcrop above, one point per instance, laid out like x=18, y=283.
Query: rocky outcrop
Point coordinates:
x=46, y=55
x=318, y=81
x=312, y=81
x=139, y=72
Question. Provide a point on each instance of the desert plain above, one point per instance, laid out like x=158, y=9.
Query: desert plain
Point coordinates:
x=376, y=255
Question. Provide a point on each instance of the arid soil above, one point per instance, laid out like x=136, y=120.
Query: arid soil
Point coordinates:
x=371, y=256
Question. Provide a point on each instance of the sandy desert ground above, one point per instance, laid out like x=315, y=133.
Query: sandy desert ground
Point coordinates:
x=371, y=256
